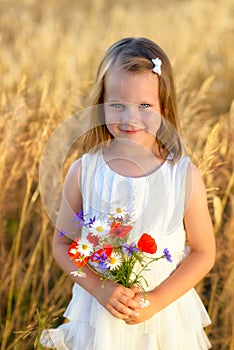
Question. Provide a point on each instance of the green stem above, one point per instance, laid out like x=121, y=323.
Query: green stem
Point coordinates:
x=92, y=269
x=144, y=267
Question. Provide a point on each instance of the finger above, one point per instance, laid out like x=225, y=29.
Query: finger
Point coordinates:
x=136, y=289
x=121, y=315
x=125, y=300
x=129, y=303
x=131, y=321
x=118, y=314
x=121, y=308
x=134, y=305
x=129, y=293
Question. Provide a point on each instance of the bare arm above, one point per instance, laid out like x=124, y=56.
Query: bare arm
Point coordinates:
x=114, y=297
x=199, y=262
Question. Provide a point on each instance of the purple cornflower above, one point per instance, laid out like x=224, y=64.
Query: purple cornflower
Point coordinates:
x=91, y=222
x=101, y=258
x=62, y=233
x=80, y=218
x=129, y=249
x=167, y=254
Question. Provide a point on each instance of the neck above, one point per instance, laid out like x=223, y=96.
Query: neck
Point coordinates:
x=132, y=150
x=132, y=160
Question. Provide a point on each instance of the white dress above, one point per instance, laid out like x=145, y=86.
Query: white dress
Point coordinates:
x=157, y=203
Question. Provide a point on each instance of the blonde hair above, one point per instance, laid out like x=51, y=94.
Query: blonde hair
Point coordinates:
x=136, y=54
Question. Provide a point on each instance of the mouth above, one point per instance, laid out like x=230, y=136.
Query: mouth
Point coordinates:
x=130, y=130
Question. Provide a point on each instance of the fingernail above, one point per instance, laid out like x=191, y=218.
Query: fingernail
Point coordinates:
x=137, y=314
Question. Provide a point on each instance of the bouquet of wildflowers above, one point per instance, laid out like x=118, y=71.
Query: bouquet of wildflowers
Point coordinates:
x=107, y=250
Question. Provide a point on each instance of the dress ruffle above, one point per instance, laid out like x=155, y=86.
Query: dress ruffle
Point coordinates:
x=178, y=326
x=90, y=327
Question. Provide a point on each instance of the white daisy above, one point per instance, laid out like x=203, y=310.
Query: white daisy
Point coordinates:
x=119, y=213
x=99, y=228
x=114, y=261
x=78, y=273
x=85, y=247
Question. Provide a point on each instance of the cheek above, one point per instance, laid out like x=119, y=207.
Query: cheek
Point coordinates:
x=110, y=121
x=153, y=123
x=110, y=127
x=111, y=117
x=158, y=122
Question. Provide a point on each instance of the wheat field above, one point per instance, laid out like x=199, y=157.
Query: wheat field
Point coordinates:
x=49, y=53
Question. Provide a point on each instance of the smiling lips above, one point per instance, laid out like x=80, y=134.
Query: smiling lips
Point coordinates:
x=130, y=130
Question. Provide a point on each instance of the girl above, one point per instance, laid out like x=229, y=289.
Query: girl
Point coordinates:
x=133, y=160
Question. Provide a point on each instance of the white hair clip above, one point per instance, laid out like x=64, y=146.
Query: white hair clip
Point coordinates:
x=157, y=65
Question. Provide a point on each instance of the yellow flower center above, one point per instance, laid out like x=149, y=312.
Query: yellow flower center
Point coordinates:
x=85, y=246
x=113, y=260
x=99, y=229
x=119, y=210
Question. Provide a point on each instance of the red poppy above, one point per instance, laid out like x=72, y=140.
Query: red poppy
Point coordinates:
x=115, y=224
x=147, y=244
x=119, y=230
x=73, y=248
x=93, y=239
x=108, y=249
x=80, y=261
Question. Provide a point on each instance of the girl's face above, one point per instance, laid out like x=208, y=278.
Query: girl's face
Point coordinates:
x=131, y=105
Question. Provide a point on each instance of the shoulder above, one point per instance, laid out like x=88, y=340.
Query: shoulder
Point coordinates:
x=194, y=176
x=91, y=156
x=72, y=178
x=179, y=169
x=180, y=163
x=196, y=194
x=76, y=165
x=89, y=163
x=79, y=168
x=191, y=171
x=74, y=168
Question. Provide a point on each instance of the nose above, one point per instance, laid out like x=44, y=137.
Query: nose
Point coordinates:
x=130, y=114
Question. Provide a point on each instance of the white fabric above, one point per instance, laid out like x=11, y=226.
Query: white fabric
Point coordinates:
x=157, y=203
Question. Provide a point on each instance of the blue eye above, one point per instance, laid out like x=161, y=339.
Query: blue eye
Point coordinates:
x=144, y=105
x=117, y=106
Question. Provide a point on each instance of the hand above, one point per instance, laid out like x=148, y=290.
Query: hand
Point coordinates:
x=118, y=300
x=145, y=312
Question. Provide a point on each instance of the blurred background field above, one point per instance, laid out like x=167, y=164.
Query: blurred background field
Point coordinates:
x=49, y=53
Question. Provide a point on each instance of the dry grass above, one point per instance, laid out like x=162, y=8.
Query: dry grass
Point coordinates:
x=49, y=54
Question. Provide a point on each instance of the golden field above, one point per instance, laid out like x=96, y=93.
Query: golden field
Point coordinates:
x=49, y=53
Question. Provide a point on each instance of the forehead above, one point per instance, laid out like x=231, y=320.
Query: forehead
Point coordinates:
x=121, y=83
